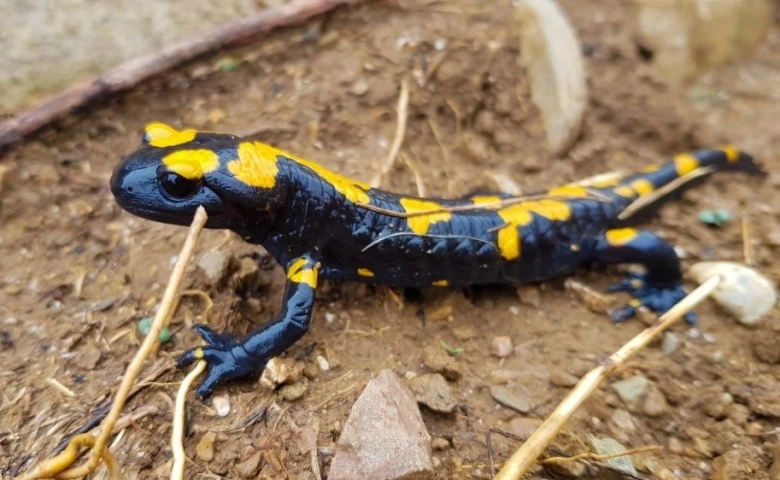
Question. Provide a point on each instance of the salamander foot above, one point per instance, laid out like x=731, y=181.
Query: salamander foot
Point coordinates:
x=658, y=297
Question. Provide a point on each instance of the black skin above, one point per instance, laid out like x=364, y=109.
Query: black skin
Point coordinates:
x=305, y=221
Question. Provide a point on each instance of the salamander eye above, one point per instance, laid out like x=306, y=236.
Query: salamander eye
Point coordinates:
x=177, y=187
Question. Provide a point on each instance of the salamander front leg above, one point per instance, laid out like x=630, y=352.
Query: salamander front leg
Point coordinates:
x=229, y=358
x=660, y=287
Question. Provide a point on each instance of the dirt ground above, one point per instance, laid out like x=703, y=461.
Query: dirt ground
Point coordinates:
x=77, y=273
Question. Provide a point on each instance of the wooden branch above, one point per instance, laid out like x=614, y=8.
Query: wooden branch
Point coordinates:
x=134, y=71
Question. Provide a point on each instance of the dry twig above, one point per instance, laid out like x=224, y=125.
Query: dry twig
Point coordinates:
x=55, y=466
x=522, y=459
x=136, y=70
x=177, y=471
x=400, y=131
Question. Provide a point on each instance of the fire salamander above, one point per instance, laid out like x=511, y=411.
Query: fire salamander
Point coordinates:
x=320, y=225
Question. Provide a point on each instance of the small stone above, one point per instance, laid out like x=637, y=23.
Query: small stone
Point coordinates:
x=675, y=445
x=250, y=467
x=501, y=346
x=716, y=357
x=214, y=264
x=104, y=304
x=436, y=359
x=359, y=87
x=741, y=463
x=464, y=333
x=654, y=403
x=311, y=371
x=221, y=405
x=623, y=420
x=502, y=376
x=630, y=389
x=524, y=427
x=322, y=363
x=433, y=391
x=440, y=444
x=670, y=342
x=485, y=122
x=509, y=398
x=204, y=450
x=294, y=391
x=607, y=446
x=281, y=370
x=529, y=295
x=742, y=292
x=595, y=301
x=384, y=435
x=560, y=378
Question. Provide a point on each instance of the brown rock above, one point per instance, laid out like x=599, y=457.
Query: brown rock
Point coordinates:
x=204, y=450
x=654, y=403
x=501, y=346
x=739, y=464
x=560, y=378
x=384, y=436
x=433, y=391
x=250, y=467
x=437, y=360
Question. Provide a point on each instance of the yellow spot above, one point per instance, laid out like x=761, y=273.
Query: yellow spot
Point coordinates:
x=685, y=163
x=555, y=210
x=354, y=190
x=620, y=236
x=161, y=135
x=440, y=283
x=300, y=273
x=256, y=164
x=635, y=303
x=651, y=168
x=198, y=352
x=568, y=191
x=509, y=236
x=421, y=223
x=364, y=272
x=732, y=154
x=192, y=164
x=485, y=199
x=642, y=186
x=625, y=191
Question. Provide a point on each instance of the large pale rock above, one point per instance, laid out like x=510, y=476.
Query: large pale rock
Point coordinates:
x=384, y=436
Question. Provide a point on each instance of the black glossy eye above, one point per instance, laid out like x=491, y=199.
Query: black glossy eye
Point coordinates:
x=177, y=187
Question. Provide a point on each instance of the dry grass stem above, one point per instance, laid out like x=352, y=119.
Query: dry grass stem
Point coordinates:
x=177, y=471
x=530, y=450
x=403, y=113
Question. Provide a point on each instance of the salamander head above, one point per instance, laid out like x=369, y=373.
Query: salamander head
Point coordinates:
x=175, y=171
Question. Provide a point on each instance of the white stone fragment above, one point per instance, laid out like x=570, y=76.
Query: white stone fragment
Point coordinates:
x=743, y=292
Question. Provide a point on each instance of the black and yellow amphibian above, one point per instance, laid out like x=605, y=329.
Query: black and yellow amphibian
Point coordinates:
x=321, y=225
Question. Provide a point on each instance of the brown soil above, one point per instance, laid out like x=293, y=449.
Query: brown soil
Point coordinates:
x=77, y=273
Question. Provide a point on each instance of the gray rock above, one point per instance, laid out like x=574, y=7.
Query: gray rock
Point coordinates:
x=510, y=398
x=608, y=446
x=384, y=436
x=214, y=265
x=433, y=391
x=670, y=343
x=630, y=389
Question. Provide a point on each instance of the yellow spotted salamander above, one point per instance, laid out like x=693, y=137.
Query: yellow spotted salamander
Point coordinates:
x=320, y=225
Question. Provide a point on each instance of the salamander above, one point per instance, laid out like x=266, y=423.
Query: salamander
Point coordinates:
x=320, y=225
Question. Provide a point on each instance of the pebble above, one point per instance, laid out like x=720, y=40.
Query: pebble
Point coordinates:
x=654, y=403
x=630, y=389
x=464, y=333
x=623, y=420
x=439, y=444
x=607, y=446
x=670, y=342
x=510, y=398
x=433, y=391
x=204, y=450
x=562, y=379
x=213, y=265
x=737, y=464
x=281, y=370
x=743, y=292
x=529, y=295
x=250, y=467
x=322, y=363
x=221, y=405
x=501, y=346
x=294, y=391
x=359, y=87
x=436, y=359
x=675, y=445
x=524, y=427
x=384, y=435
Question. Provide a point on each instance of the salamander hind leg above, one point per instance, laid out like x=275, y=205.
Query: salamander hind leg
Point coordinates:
x=660, y=287
x=229, y=358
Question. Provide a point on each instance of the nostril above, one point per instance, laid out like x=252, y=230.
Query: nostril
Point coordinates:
x=129, y=189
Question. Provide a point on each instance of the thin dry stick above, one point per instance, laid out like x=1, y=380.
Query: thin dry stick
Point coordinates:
x=177, y=472
x=54, y=467
x=526, y=455
x=747, y=242
x=136, y=70
x=400, y=131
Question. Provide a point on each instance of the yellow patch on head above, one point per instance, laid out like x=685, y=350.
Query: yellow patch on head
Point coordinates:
x=161, y=135
x=256, y=164
x=299, y=272
x=192, y=164
x=732, y=154
x=364, y=272
x=354, y=190
x=685, y=163
x=571, y=191
x=440, y=283
x=485, y=199
x=620, y=236
x=625, y=191
x=642, y=186
x=421, y=223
